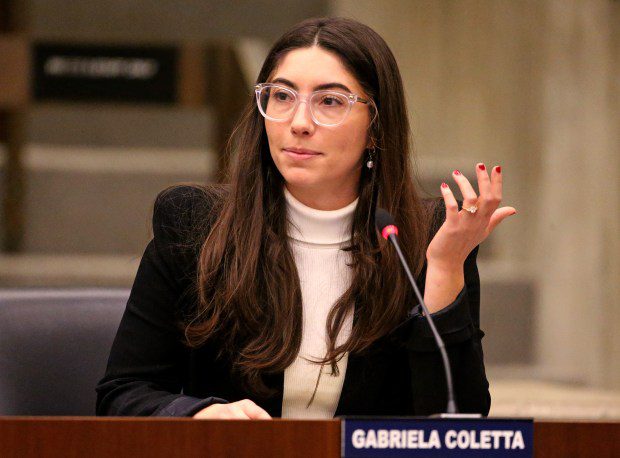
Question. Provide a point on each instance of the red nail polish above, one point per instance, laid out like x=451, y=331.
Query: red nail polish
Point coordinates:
x=481, y=167
x=443, y=185
x=498, y=169
x=456, y=172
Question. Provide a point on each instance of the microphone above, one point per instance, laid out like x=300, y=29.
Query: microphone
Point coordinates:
x=389, y=231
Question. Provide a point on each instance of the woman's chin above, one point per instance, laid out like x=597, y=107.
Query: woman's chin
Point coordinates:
x=301, y=179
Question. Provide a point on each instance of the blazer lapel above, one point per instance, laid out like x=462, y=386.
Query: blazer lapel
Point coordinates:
x=352, y=387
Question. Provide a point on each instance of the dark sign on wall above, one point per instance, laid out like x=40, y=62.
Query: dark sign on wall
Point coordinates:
x=105, y=73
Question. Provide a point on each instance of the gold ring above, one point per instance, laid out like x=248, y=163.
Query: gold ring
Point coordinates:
x=473, y=209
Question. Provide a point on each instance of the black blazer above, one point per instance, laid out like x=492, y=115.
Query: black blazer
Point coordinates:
x=151, y=372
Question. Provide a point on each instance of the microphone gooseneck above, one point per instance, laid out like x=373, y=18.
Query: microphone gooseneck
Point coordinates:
x=385, y=223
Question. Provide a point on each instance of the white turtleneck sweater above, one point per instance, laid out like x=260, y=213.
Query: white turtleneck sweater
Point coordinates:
x=316, y=238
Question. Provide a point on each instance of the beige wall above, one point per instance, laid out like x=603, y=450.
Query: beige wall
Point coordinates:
x=164, y=20
x=532, y=85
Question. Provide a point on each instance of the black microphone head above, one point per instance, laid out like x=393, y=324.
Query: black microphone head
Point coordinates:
x=385, y=223
x=383, y=219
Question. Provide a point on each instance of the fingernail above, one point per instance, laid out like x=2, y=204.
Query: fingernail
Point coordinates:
x=443, y=185
x=481, y=167
x=498, y=169
x=456, y=172
x=513, y=213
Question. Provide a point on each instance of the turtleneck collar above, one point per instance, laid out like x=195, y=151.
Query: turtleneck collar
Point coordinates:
x=321, y=227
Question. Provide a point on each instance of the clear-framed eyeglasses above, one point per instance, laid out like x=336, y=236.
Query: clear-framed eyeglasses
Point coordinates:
x=327, y=108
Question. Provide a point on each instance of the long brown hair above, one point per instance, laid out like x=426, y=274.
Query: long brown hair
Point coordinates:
x=248, y=286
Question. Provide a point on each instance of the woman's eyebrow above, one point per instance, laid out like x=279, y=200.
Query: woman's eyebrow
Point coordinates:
x=320, y=87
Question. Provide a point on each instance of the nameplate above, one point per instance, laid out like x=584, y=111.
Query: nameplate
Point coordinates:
x=100, y=73
x=430, y=437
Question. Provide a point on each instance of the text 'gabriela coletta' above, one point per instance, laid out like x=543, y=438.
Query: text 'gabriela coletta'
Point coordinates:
x=453, y=439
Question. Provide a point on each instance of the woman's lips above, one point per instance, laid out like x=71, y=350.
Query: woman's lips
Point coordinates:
x=300, y=154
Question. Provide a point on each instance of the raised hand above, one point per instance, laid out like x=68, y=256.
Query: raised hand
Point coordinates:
x=461, y=232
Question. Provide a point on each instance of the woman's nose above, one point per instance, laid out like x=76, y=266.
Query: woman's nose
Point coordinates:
x=302, y=122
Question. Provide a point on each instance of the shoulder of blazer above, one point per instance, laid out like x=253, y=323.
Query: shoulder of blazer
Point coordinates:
x=182, y=217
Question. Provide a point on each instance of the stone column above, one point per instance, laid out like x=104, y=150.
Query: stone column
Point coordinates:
x=577, y=228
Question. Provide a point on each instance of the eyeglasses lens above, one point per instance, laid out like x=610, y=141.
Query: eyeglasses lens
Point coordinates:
x=278, y=103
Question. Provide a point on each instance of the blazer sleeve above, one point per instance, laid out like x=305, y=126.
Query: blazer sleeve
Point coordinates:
x=146, y=366
x=459, y=326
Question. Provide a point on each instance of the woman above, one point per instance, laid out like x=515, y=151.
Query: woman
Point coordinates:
x=274, y=296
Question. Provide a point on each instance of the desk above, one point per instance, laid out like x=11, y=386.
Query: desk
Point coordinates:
x=91, y=437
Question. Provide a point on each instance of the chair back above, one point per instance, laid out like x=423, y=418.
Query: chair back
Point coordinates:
x=54, y=347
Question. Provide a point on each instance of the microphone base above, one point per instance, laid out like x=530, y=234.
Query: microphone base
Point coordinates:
x=457, y=416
